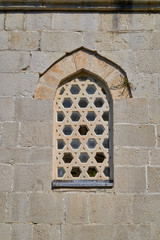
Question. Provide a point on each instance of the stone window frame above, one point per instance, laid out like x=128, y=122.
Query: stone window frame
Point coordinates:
x=89, y=62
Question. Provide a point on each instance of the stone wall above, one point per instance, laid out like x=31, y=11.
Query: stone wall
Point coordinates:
x=29, y=210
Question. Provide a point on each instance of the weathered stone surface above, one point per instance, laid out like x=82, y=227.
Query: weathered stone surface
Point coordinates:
x=131, y=156
x=154, y=110
x=155, y=231
x=2, y=16
x=18, y=84
x=153, y=179
x=5, y=231
x=36, y=134
x=4, y=40
x=60, y=42
x=6, y=109
x=145, y=85
x=46, y=208
x=157, y=22
x=32, y=177
x=6, y=178
x=76, y=208
x=126, y=110
x=158, y=135
x=130, y=179
x=21, y=231
x=10, y=134
x=133, y=40
x=56, y=232
x=134, y=135
x=14, y=61
x=145, y=208
x=140, y=21
x=14, y=21
x=42, y=232
x=155, y=159
x=75, y=22
x=98, y=232
x=17, y=207
x=27, y=109
x=38, y=21
x=13, y=155
x=40, y=155
x=3, y=199
x=24, y=41
x=117, y=208
x=145, y=61
x=113, y=22
x=44, y=92
x=40, y=61
x=156, y=40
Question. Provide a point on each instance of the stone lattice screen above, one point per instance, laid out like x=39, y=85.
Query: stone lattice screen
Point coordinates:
x=83, y=85
x=81, y=137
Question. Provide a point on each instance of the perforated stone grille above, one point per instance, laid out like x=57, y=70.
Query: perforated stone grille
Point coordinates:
x=81, y=139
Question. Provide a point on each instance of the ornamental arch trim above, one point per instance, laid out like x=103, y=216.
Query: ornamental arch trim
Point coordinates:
x=79, y=60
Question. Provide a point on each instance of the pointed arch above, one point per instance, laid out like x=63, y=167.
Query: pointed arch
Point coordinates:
x=80, y=60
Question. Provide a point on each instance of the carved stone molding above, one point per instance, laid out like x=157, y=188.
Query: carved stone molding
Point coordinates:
x=81, y=5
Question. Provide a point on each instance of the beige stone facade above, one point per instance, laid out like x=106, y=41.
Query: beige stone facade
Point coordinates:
x=40, y=49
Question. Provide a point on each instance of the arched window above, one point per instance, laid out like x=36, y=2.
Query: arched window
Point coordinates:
x=83, y=131
x=82, y=85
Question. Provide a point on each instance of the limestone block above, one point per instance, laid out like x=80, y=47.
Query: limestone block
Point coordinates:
x=18, y=84
x=102, y=39
x=158, y=135
x=99, y=232
x=60, y=41
x=3, y=200
x=17, y=207
x=14, y=21
x=155, y=231
x=75, y=21
x=2, y=16
x=145, y=208
x=40, y=61
x=113, y=22
x=145, y=85
x=76, y=208
x=14, y=61
x=36, y=134
x=116, y=208
x=157, y=21
x=155, y=159
x=140, y=21
x=40, y=155
x=32, y=177
x=56, y=232
x=13, y=155
x=153, y=179
x=38, y=21
x=42, y=232
x=6, y=178
x=126, y=110
x=21, y=231
x=10, y=134
x=154, y=110
x=133, y=40
x=3, y=40
x=130, y=179
x=134, y=135
x=156, y=40
x=24, y=41
x=27, y=109
x=5, y=231
x=6, y=109
x=130, y=156
x=148, y=61
x=46, y=208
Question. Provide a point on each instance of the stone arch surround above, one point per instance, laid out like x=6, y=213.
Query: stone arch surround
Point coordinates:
x=80, y=60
